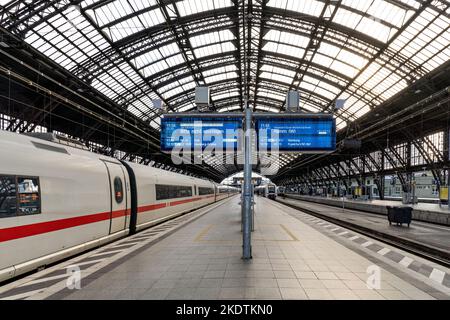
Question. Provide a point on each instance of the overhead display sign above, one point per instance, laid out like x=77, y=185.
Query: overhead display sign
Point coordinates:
x=297, y=134
x=195, y=134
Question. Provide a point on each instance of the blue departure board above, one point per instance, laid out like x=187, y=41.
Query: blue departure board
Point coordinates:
x=197, y=133
x=312, y=135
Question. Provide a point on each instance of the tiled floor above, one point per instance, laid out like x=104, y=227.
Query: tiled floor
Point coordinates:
x=291, y=260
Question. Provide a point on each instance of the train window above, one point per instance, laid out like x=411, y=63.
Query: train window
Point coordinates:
x=118, y=189
x=204, y=191
x=19, y=196
x=171, y=192
x=8, y=196
x=29, y=200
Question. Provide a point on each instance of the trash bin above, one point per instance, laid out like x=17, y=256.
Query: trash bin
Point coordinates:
x=399, y=215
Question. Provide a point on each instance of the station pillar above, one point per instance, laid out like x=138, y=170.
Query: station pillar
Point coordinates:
x=247, y=194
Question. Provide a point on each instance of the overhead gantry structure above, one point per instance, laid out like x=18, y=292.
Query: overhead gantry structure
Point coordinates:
x=124, y=54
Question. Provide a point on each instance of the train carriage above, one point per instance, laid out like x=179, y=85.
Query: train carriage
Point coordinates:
x=58, y=200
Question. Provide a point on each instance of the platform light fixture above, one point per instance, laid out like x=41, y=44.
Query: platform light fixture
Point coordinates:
x=339, y=104
x=202, y=98
x=293, y=101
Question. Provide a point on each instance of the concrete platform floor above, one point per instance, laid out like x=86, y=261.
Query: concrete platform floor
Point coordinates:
x=291, y=260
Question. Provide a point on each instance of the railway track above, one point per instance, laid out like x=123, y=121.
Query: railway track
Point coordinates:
x=419, y=249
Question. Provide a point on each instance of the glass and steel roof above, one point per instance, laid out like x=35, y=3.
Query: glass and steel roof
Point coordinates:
x=137, y=51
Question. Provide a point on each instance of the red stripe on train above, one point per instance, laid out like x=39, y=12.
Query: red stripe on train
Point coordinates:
x=151, y=207
x=12, y=233
x=29, y=230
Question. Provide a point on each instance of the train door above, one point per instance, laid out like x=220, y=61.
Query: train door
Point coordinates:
x=119, y=196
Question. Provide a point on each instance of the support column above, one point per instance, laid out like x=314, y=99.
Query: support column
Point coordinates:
x=247, y=205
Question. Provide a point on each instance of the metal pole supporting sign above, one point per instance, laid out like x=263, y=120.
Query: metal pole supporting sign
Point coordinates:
x=247, y=207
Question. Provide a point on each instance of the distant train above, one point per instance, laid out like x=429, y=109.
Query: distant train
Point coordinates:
x=268, y=190
x=281, y=191
x=230, y=190
x=57, y=200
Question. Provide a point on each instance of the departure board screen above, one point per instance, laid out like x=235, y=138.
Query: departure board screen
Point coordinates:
x=311, y=135
x=197, y=134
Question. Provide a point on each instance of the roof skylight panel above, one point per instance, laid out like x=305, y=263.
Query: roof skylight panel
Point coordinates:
x=34, y=39
x=307, y=86
x=111, y=12
x=104, y=89
x=173, y=92
x=271, y=46
x=140, y=5
x=233, y=108
x=189, y=85
x=277, y=77
x=388, y=12
x=153, y=68
x=86, y=3
x=152, y=18
x=362, y=111
x=355, y=60
x=270, y=94
x=220, y=77
x=329, y=50
x=328, y=87
x=282, y=71
x=169, y=50
x=173, y=84
x=224, y=95
x=347, y=18
x=344, y=68
x=340, y=124
x=375, y=29
x=174, y=60
x=186, y=108
x=148, y=58
x=322, y=60
x=208, y=50
x=358, y=5
x=275, y=96
x=311, y=7
x=141, y=109
x=134, y=111
x=368, y=73
x=262, y=108
x=411, y=3
x=188, y=7
x=154, y=125
x=208, y=73
x=115, y=33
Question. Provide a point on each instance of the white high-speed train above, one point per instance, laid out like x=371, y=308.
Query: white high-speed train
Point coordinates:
x=268, y=190
x=57, y=200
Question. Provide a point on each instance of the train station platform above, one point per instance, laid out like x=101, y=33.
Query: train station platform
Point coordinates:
x=427, y=212
x=428, y=238
x=295, y=256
